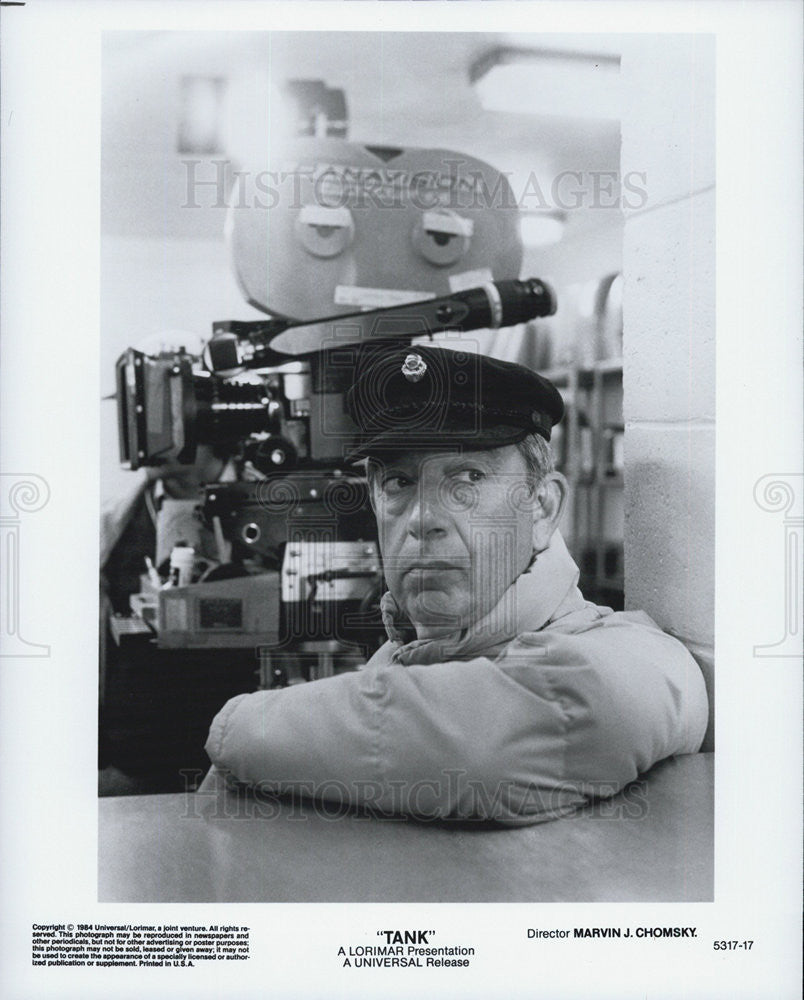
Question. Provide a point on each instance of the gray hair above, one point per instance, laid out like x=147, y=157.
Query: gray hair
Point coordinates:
x=538, y=456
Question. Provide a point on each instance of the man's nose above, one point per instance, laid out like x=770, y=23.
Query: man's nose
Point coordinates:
x=427, y=518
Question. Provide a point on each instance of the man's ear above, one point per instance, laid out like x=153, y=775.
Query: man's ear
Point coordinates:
x=550, y=499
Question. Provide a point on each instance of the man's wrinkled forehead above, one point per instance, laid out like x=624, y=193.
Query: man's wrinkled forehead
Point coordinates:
x=492, y=459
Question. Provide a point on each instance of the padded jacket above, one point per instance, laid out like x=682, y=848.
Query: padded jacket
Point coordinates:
x=545, y=704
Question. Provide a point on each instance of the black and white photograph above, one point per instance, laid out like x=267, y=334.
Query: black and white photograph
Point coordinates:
x=381, y=547
x=430, y=555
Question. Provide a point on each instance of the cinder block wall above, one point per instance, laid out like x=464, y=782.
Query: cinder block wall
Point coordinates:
x=668, y=135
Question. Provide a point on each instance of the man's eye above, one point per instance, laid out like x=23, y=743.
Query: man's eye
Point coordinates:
x=394, y=484
x=471, y=475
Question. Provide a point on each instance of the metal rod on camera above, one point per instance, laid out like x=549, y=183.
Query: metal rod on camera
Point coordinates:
x=493, y=305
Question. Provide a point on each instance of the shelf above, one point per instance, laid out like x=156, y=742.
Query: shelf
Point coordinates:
x=585, y=374
x=590, y=446
x=600, y=370
x=588, y=480
x=609, y=366
x=557, y=375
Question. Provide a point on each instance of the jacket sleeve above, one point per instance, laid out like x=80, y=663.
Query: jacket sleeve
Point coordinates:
x=556, y=720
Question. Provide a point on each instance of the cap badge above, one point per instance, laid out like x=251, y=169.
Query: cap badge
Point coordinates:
x=414, y=368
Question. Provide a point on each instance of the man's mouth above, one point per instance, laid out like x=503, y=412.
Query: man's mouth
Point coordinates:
x=432, y=566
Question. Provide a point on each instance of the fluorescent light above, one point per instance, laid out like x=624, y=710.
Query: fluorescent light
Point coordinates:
x=565, y=85
x=200, y=117
x=541, y=230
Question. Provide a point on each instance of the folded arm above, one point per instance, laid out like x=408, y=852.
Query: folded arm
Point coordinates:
x=557, y=720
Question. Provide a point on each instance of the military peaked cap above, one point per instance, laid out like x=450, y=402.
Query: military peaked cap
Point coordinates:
x=419, y=397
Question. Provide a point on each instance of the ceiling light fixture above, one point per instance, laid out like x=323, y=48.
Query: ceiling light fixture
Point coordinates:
x=200, y=116
x=541, y=229
x=545, y=82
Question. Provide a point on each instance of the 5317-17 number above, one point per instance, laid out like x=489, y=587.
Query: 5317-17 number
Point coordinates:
x=733, y=945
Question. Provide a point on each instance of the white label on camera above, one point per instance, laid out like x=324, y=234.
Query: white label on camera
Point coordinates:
x=175, y=609
x=377, y=298
x=447, y=222
x=470, y=279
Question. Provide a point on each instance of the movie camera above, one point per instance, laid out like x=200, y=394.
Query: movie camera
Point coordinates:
x=377, y=245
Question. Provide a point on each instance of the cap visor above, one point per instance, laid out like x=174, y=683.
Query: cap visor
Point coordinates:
x=396, y=443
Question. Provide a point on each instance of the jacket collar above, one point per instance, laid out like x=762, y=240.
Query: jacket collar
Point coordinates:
x=546, y=590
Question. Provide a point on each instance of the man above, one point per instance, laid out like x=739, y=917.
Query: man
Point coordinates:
x=500, y=694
